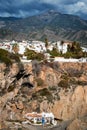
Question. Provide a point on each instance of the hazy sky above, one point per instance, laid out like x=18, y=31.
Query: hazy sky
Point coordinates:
x=24, y=8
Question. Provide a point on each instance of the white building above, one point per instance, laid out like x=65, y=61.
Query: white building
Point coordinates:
x=84, y=49
x=37, y=117
x=37, y=46
x=21, y=49
x=50, y=47
x=62, y=47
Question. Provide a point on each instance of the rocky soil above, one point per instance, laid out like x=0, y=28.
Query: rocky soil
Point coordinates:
x=60, y=88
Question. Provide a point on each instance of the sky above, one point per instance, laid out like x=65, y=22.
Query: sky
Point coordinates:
x=25, y=8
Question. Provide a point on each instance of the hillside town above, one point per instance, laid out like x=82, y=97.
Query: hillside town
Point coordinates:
x=40, y=47
x=37, y=46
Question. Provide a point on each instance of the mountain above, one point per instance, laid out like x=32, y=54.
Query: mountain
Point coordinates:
x=50, y=24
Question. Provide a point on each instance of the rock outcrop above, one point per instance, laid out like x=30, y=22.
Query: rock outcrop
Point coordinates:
x=60, y=88
x=78, y=124
x=71, y=105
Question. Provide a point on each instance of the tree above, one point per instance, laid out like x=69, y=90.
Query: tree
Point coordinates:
x=54, y=52
x=46, y=42
x=76, y=47
x=15, y=48
x=74, y=51
x=62, y=42
x=68, y=48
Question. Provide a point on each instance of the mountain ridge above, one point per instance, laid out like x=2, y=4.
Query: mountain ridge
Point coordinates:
x=51, y=24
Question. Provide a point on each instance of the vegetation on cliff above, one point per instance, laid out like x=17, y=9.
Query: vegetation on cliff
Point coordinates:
x=7, y=57
x=73, y=51
x=32, y=55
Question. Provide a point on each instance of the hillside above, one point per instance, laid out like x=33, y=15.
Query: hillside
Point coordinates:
x=51, y=24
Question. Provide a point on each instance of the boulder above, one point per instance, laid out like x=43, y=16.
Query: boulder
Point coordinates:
x=75, y=125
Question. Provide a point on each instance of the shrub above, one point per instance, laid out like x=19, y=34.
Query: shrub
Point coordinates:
x=43, y=93
x=53, y=53
x=11, y=88
x=63, y=83
x=83, y=83
x=15, y=57
x=39, y=82
x=52, y=88
x=32, y=55
x=8, y=57
x=72, y=72
x=65, y=76
x=75, y=51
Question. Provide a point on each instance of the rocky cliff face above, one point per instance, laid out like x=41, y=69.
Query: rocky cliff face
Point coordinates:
x=60, y=88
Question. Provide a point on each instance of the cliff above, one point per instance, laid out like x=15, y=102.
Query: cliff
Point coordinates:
x=56, y=87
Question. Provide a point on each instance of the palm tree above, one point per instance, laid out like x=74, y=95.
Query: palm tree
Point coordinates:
x=46, y=42
x=62, y=42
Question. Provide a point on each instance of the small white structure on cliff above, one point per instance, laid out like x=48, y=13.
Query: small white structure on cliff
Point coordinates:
x=37, y=118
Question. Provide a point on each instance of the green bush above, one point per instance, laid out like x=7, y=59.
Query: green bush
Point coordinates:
x=43, y=93
x=4, y=57
x=65, y=76
x=8, y=57
x=63, y=83
x=52, y=88
x=32, y=55
x=75, y=51
x=83, y=83
x=54, y=52
x=15, y=57
x=39, y=82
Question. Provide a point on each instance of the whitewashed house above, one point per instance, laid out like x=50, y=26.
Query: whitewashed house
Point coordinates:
x=37, y=46
x=36, y=118
x=62, y=47
x=50, y=47
x=84, y=49
x=21, y=48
